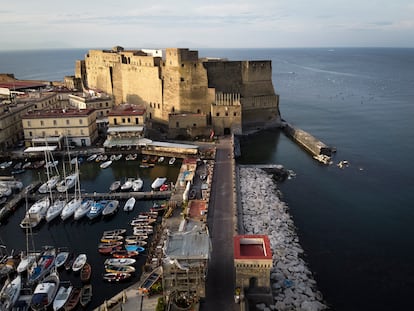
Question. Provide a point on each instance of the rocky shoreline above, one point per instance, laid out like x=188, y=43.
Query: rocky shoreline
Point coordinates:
x=293, y=286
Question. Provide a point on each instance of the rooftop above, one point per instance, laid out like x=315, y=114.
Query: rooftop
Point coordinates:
x=252, y=247
x=194, y=244
x=127, y=110
x=57, y=113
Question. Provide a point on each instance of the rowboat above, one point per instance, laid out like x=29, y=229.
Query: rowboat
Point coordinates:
x=119, y=261
x=115, y=185
x=137, y=184
x=86, y=272
x=92, y=158
x=110, y=208
x=132, y=239
x=73, y=299
x=114, y=232
x=61, y=258
x=85, y=295
x=158, y=182
x=109, y=249
x=117, y=269
x=116, y=277
x=122, y=253
x=79, y=262
x=171, y=161
x=111, y=238
x=134, y=248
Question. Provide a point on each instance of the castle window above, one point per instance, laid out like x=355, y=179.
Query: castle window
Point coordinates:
x=43, y=133
x=182, y=79
x=136, y=120
x=30, y=134
x=106, y=104
x=42, y=123
x=123, y=120
x=67, y=122
x=100, y=105
x=182, y=65
x=198, y=111
x=54, y=122
x=115, y=121
x=217, y=114
x=158, y=106
x=234, y=114
x=129, y=120
x=80, y=121
x=177, y=124
x=173, y=109
x=227, y=114
x=194, y=125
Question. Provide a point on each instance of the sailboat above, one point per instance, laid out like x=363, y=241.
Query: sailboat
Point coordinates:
x=76, y=202
x=69, y=181
x=10, y=292
x=52, y=179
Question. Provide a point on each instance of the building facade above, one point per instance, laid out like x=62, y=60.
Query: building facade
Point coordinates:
x=60, y=127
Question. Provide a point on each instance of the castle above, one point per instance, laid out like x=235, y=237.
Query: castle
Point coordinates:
x=190, y=96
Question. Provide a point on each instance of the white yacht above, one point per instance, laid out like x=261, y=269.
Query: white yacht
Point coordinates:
x=68, y=182
x=49, y=184
x=83, y=209
x=35, y=213
x=137, y=184
x=55, y=209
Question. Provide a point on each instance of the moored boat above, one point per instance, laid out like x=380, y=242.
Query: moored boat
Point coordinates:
x=45, y=292
x=105, y=164
x=83, y=209
x=62, y=295
x=114, y=232
x=115, y=186
x=171, y=161
x=158, y=182
x=86, y=272
x=79, y=262
x=73, y=299
x=129, y=204
x=123, y=253
x=116, y=277
x=43, y=266
x=137, y=184
x=10, y=292
x=67, y=183
x=96, y=209
x=120, y=261
x=111, y=238
x=55, y=209
x=119, y=269
x=61, y=258
x=110, y=208
x=49, y=184
x=91, y=158
x=85, y=295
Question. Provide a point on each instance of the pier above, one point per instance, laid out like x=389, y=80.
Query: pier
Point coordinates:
x=307, y=141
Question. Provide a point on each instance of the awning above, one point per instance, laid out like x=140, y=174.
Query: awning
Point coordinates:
x=124, y=129
x=123, y=141
x=40, y=149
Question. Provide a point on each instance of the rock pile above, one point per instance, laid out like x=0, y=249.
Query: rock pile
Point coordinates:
x=263, y=213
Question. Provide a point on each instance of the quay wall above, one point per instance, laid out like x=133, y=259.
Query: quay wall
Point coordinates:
x=307, y=141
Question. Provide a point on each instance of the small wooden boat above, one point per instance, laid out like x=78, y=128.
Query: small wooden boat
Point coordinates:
x=129, y=204
x=119, y=261
x=105, y=164
x=132, y=239
x=161, y=159
x=109, y=250
x=85, y=295
x=73, y=299
x=79, y=262
x=86, y=272
x=114, y=232
x=111, y=238
x=134, y=248
x=137, y=243
x=123, y=253
x=116, y=277
x=111, y=244
x=119, y=269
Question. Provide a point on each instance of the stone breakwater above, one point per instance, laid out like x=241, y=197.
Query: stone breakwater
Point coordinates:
x=293, y=286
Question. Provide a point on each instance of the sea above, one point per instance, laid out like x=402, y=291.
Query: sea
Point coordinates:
x=355, y=224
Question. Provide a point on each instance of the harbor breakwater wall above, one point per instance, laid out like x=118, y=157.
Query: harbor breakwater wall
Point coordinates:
x=307, y=141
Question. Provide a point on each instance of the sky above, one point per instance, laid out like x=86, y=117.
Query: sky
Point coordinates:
x=28, y=24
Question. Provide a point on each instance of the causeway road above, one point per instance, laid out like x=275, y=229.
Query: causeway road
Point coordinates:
x=220, y=277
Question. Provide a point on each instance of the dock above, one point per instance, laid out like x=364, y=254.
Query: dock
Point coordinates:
x=150, y=280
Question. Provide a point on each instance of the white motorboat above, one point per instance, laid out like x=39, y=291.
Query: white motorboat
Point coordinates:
x=127, y=185
x=26, y=261
x=110, y=208
x=61, y=258
x=83, y=209
x=10, y=292
x=161, y=159
x=55, y=209
x=62, y=296
x=171, y=161
x=49, y=185
x=67, y=183
x=137, y=184
x=45, y=292
x=92, y=158
x=115, y=185
x=158, y=182
x=96, y=209
x=129, y=204
x=6, y=164
x=105, y=164
x=79, y=262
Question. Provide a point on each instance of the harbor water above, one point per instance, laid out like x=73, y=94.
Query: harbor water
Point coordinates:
x=83, y=236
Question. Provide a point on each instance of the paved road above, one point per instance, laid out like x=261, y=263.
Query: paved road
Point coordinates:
x=220, y=279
